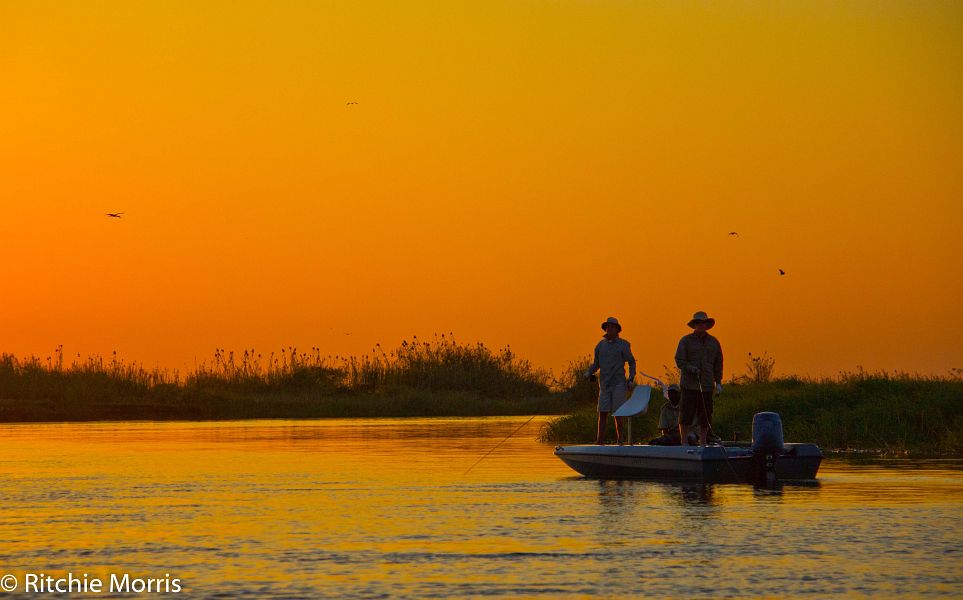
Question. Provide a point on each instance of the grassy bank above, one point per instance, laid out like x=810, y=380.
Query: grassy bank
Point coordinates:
x=437, y=378
x=892, y=413
x=877, y=411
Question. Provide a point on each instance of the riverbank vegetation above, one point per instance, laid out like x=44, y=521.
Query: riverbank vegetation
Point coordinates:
x=891, y=413
x=441, y=377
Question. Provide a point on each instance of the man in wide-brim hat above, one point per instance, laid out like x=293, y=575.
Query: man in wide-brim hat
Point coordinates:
x=611, y=354
x=699, y=358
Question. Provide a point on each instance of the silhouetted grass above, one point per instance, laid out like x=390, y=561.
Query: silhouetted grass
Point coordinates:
x=441, y=377
x=891, y=413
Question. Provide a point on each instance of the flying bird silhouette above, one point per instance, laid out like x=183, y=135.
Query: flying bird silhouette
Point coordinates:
x=781, y=272
x=115, y=215
x=350, y=103
x=735, y=233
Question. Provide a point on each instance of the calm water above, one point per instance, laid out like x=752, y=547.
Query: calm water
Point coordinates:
x=383, y=508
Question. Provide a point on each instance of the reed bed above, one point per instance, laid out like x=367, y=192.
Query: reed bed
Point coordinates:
x=885, y=412
x=437, y=377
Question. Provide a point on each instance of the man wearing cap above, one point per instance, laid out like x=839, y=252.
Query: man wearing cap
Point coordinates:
x=611, y=354
x=699, y=358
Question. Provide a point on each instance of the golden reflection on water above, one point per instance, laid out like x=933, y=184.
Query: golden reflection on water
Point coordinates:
x=354, y=508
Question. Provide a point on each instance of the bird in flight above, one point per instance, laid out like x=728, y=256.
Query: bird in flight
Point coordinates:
x=350, y=103
x=115, y=215
x=781, y=272
x=735, y=233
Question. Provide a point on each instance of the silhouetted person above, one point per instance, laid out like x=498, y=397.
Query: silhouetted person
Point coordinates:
x=699, y=358
x=611, y=354
x=669, y=420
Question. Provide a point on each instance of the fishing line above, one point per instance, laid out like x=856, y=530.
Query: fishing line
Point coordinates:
x=710, y=430
x=499, y=444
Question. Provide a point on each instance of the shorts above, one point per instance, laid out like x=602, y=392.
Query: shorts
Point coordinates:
x=695, y=403
x=611, y=398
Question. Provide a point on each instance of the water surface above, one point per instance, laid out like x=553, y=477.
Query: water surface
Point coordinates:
x=361, y=508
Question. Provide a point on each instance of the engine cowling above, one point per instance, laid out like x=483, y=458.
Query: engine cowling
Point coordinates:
x=767, y=435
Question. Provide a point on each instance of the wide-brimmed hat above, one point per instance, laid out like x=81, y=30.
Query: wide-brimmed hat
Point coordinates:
x=613, y=321
x=674, y=387
x=702, y=317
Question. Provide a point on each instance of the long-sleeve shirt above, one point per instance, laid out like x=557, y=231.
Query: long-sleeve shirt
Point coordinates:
x=704, y=353
x=610, y=359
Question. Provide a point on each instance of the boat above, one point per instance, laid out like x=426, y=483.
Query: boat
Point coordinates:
x=767, y=459
x=721, y=463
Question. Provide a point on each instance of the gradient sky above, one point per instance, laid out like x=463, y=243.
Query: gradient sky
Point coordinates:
x=514, y=172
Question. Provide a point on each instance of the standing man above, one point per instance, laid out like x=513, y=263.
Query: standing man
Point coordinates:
x=699, y=358
x=611, y=354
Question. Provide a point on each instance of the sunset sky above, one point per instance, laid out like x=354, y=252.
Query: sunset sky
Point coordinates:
x=513, y=172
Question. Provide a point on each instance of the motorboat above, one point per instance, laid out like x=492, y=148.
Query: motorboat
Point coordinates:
x=715, y=463
x=766, y=459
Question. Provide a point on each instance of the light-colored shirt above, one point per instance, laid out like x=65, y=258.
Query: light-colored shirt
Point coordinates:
x=610, y=359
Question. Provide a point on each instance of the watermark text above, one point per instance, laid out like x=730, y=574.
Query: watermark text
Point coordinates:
x=71, y=583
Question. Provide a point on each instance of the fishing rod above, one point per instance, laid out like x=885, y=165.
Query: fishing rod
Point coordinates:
x=499, y=444
x=662, y=386
x=711, y=431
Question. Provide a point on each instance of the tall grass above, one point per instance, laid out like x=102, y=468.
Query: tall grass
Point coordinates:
x=891, y=412
x=437, y=377
x=439, y=365
x=888, y=412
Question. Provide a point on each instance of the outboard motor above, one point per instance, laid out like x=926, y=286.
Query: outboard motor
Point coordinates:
x=767, y=443
x=767, y=433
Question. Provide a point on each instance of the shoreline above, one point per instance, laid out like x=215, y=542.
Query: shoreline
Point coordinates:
x=189, y=406
x=894, y=413
x=849, y=454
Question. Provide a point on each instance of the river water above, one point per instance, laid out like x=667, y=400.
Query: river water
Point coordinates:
x=365, y=508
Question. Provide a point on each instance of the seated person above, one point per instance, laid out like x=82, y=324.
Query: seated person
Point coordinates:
x=669, y=420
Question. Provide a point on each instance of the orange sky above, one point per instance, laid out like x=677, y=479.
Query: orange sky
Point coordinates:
x=514, y=172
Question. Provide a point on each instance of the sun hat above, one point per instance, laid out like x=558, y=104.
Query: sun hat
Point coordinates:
x=701, y=317
x=674, y=386
x=613, y=321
